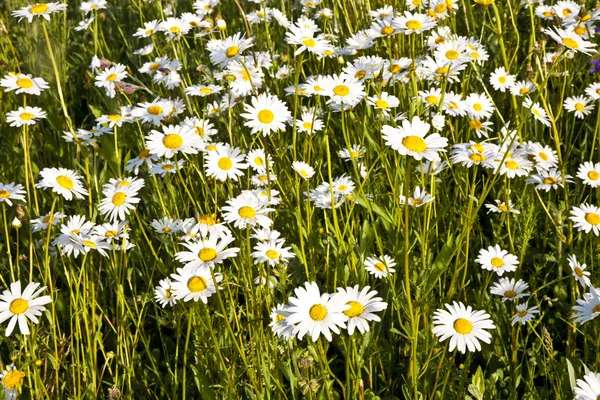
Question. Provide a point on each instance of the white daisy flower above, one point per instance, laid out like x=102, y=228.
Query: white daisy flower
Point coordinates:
x=587, y=308
x=589, y=173
x=62, y=181
x=586, y=218
x=206, y=252
x=197, y=284
x=381, y=266
x=24, y=83
x=524, y=314
x=579, y=272
x=497, y=260
x=411, y=139
x=163, y=293
x=303, y=169
x=173, y=140
x=363, y=306
x=11, y=192
x=225, y=163
x=247, y=210
x=509, y=289
x=20, y=306
x=25, y=116
x=266, y=114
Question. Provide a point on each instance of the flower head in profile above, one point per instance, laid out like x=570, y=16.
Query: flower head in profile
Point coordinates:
x=38, y=10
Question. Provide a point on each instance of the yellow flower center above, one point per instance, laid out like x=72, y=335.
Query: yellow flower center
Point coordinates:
x=341, y=90
x=111, y=77
x=579, y=107
x=118, y=199
x=571, y=43
x=503, y=207
x=259, y=161
x=206, y=219
x=26, y=116
x=477, y=107
x=463, y=326
x=13, y=380
x=39, y=9
x=452, y=54
x=172, y=141
x=48, y=218
x=414, y=143
x=318, y=312
x=511, y=164
x=510, y=294
x=522, y=313
x=578, y=272
x=497, y=262
x=175, y=29
x=207, y=254
x=580, y=30
x=266, y=116
x=206, y=90
x=225, y=163
x=379, y=266
x=4, y=194
x=477, y=157
x=502, y=79
x=387, y=30
x=89, y=243
x=414, y=25
x=593, y=175
x=382, y=103
x=24, y=83
x=155, y=110
x=342, y=188
x=440, y=8
x=65, y=182
x=247, y=212
x=432, y=99
x=167, y=167
x=550, y=181
x=18, y=306
x=196, y=284
x=596, y=309
x=360, y=74
x=355, y=309
x=272, y=254
x=111, y=233
x=309, y=42
x=442, y=70
x=232, y=51
x=592, y=218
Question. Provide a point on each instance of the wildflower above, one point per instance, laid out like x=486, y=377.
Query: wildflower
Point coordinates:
x=19, y=306
x=363, y=306
x=24, y=83
x=411, y=139
x=464, y=326
x=524, y=314
x=498, y=260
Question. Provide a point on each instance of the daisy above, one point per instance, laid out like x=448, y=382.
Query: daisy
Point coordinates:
x=464, y=326
x=344, y=91
x=153, y=112
x=363, y=306
x=117, y=120
x=538, y=112
x=593, y=91
x=148, y=29
x=174, y=28
x=419, y=198
x=548, y=179
x=587, y=308
x=411, y=139
x=118, y=203
x=588, y=388
x=502, y=207
x=247, y=210
x=206, y=252
x=256, y=159
x=12, y=381
x=509, y=289
x=92, y=242
x=315, y=313
x=173, y=140
x=513, y=166
x=266, y=114
x=579, y=272
x=11, y=192
x=479, y=106
x=309, y=122
x=62, y=181
x=25, y=116
x=571, y=40
x=195, y=284
x=202, y=90
x=112, y=231
x=225, y=163
x=354, y=153
x=524, y=314
x=109, y=77
x=144, y=157
x=579, y=105
x=92, y=5
x=167, y=225
x=44, y=221
x=22, y=306
x=303, y=169
x=24, y=83
x=381, y=266
x=498, y=260
x=589, y=173
x=272, y=252
x=279, y=324
x=222, y=52
x=586, y=218
x=383, y=102
x=414, y=23
x=163, y=293
x=522, y=88
x=38, y=10
x=501, y=80
x=303, y=33
x=166, y=167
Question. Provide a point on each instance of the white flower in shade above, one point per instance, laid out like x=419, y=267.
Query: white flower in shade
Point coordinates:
x=464, y=326
x=272, y=252
x=197, y=284
x=174, y=28
x=173, y=140
x=354, y=153
x=303, y=169
x=586, y=218
x=589, y=173
x=202, y=90
x=38, y=10
x=118, y=202
x=20, y=306
x=24, y=83
x=315, y=313
x=580, y=105
x=62, y=181
x=225, y=163
x=108, y=78
x=419, y=198
x=593, y=91
x=588, y=388
x=579, y=272
x=497, y=260
x=167, y=225
x=44, y=221
x=11, y=192
x=363, y=306
x=206, y=252
x=381, y=266
x=571, y=40
x=411, y=139
x=247, y=210
x=502, y=207
x=279, y=324
x=524, y=314
x=266, y=114
x=113, y=232
x=587, y=308
x=509, y=289
x=163, y=294
x=25, y=116
x=222, y=52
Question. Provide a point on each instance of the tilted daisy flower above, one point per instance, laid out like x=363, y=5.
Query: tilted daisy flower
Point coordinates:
x=197, y=284
x=580, y=105
x=174, y=28
x=23, y=83
x=383, y=102
x=11, y=192
x=588, y=307
x=354, y=153
x=509, y=289
x=44, y=221
x=202, y=90
x=502, y=207
x=547, y=180
x=12, y=381
x=588, y=388
x=62, y=181
x=411, y=139
x=589, y=173
x=38, y=10
x=153, y=112
x=20, y=306
x=538, y=112
x=148, y=29
x=76, y=226
x=363, y=306
x=247, y=210
x=172, y=140
x=304, y=34
x=497, y=260
x=272, y=252
x=579, y=272
x=266, y=114
x=316, y=314
x=524, y=314
x=132, y=183
x=586, y=218
x=25, y=116
x=118, y=202
x=222, y=52
x=108, y=78
x=303, y=169
x=166, y=167
x=381, y=266
x=257, y=160
x=112, y=231
x=144, y=157
x=464, y=326
x=419, y=198
x=167, y=225
x=225, y=163
x=163, y=293
x=206, y=252
x=279, y=324
x=414, y=23
x=571, y=40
